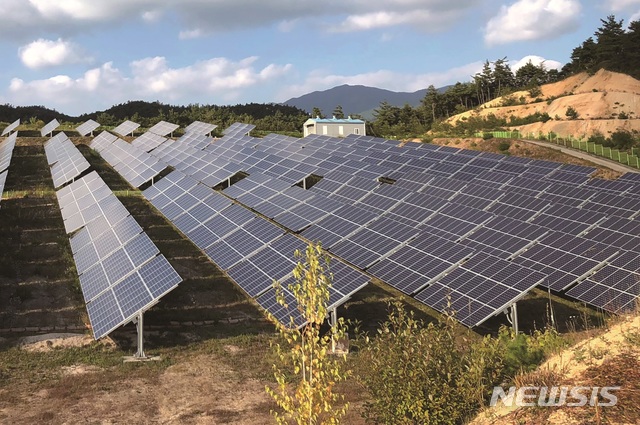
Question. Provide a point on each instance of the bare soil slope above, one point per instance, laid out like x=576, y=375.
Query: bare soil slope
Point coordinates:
x=609, y=358
x=598, y=99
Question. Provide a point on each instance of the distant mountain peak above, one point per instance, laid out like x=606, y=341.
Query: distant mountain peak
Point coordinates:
x=354, y=99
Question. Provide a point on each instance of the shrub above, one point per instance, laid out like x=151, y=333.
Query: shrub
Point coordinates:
x=623, y=116
x=420, y=374
x=571, y=113
x=622, y=140
x=504, y=146
x=487, y=136
x=535, y=91
x=597, y=138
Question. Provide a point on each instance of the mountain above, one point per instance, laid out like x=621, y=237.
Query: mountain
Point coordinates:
x=605, y=102
x=360, y=100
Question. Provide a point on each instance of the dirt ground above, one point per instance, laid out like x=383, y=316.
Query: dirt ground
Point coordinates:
x=204, y=383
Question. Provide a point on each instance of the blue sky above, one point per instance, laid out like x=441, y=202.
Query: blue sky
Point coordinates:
x=85, y=55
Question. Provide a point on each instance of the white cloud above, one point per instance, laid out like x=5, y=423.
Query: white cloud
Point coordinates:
x=536, y=60
x=152, y=15
x=320, y=80
x=148, y=79
x=532, y=20
x=635, y=17
x=18, y=18
x=425, y=16
x=619, y=5
x=48, y=53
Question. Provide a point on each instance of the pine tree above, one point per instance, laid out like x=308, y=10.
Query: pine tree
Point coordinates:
x=609, y=49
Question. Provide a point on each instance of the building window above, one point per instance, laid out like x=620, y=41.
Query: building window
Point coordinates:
x=341, y=130
x=325, y=130
x=356, y=130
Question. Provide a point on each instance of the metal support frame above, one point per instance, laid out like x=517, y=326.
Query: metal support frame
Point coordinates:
x=140, y=356
x=139, y=325
x=333, y=320
x=512, y=317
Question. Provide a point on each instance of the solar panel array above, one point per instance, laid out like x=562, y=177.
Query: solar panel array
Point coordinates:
x=126, y=128
x=65, y=159
x=87, y=127
x=121, y=271
x=389, y=210
x=163, y=128
x=8, y=129
x=135, y=165
x=6, y=152
x=49, y=127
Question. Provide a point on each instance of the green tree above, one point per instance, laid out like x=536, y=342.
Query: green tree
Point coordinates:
x=530, y=75
x=316, y=113
x=503, y=79
x=431, y=105
x=609, y=50
x=309, y=397
x=631, y=41
x=338, y=113
x=386, y=116
x=583, y=58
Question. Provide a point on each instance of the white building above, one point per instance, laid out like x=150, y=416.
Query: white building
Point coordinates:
x=334, y=127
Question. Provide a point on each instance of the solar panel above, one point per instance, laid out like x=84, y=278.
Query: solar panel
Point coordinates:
x=6, y=151
x=614, y=288
x=287, y=314
x=420, y=262
x=66, y=161
x=148, y=141
x=119, y=304
x=163, y=128
x=126, y=128
x=479, y=289
x=8, y=129
x=565, y=259
x=102, y=141
x=49, y=127
x=617, y=231
x=633, y=177
x=3, y=180
x=199, y=127
x=87, y=127
x=136, y=166
x=568, y=219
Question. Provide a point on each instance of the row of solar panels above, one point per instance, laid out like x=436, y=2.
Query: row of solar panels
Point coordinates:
x=161, y=128
x=6, y=153
x=456, y=184
x=65, y=159
x=249, y=248
x=121, y=271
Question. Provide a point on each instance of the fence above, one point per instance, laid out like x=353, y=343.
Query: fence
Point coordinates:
x=631, y=159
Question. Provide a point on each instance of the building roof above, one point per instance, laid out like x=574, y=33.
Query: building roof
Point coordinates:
x=335, y=120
